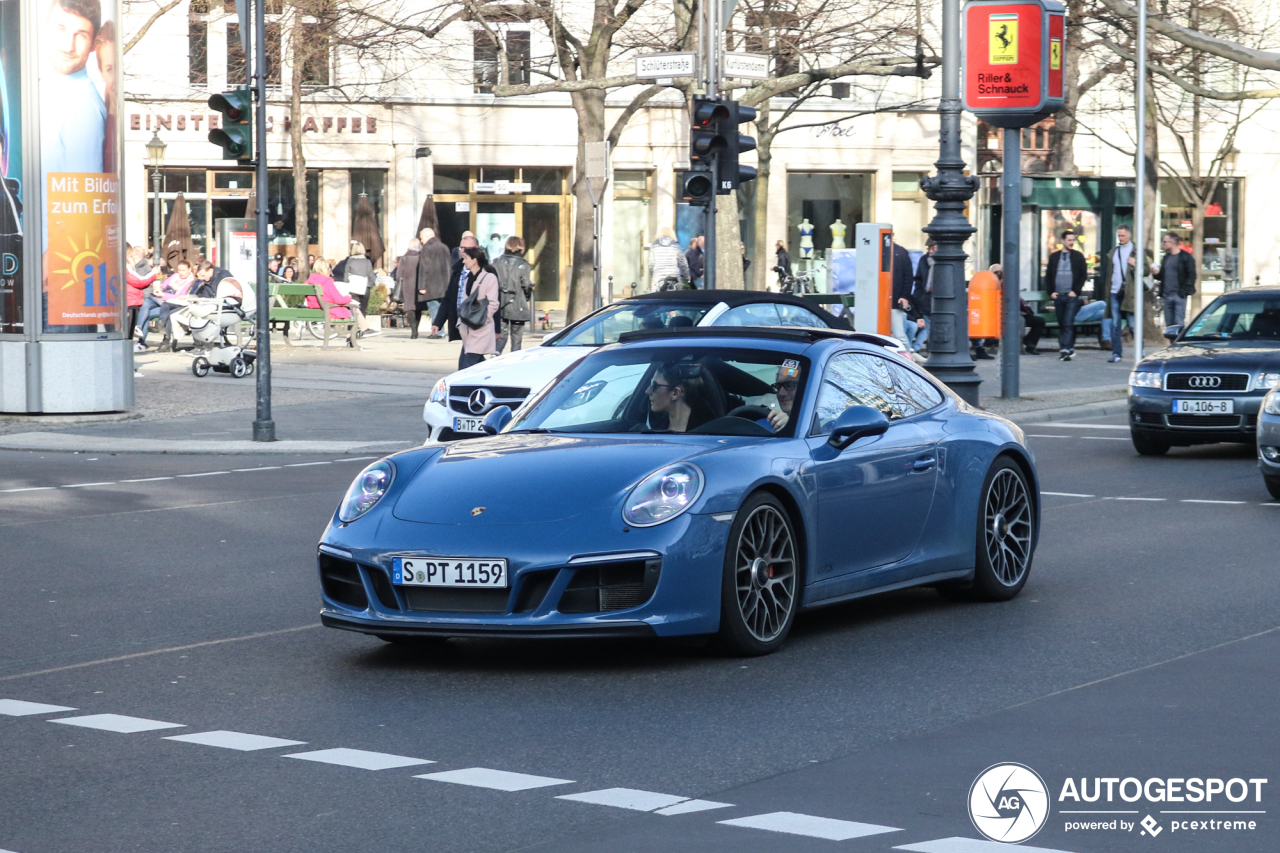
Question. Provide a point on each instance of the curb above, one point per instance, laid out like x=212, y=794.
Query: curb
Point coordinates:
x=1084, y=410
x=87, y=418
x=68, y=443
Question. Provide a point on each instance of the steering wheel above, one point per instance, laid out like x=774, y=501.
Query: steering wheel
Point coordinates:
x=751, y=413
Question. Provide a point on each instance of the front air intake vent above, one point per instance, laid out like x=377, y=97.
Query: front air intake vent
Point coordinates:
x=340, y=580
x=610, y=586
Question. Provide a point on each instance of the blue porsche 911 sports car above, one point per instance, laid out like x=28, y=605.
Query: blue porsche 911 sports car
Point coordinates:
x=710, y=482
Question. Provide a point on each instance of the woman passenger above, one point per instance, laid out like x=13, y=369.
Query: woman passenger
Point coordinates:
x=680, y=399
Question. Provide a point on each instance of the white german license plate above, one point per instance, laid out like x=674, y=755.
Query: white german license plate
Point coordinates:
x=449, y=571
x=468, y=424
x=1204, y=407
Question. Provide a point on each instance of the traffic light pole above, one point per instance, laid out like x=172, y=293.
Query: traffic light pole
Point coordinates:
x=264, y=428
x=711, y=60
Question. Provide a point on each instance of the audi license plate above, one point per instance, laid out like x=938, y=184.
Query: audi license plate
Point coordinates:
x=1204, y=407
x=449, y=571
x=468, y=424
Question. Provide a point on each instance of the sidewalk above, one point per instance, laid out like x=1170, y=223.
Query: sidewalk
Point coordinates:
x=370, y=399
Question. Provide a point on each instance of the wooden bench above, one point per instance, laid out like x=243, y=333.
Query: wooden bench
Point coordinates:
x=281, y=312
x=1043, y=306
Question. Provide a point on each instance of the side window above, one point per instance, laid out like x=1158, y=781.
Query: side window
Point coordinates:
x=858, y=379
x=759, y=314
x=794, y=315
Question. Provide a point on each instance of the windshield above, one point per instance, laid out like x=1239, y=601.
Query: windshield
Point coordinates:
x=707, y=390
x=1238, y=319
x=605, y=327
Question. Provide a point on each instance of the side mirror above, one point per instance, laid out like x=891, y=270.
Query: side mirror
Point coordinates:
x=1172, y=332
x=857, y=422
x=494, y=422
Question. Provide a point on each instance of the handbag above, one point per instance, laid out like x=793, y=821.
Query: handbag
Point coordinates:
x=474, y=310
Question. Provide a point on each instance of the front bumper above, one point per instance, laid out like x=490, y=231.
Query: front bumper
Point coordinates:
x=1151, y=415
x=1268, y=436
x=440, y=424
x=592, y=587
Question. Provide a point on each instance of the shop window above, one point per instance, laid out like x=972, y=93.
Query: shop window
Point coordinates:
x=197, y=53
x=237, y=72
x=281, y=211
x=452, y=180
x=627, y=183
x=372, y=183
x=485, y=58
x=822, y=199
x=180, y=181
x=490, y=174
x=233, y=180
x=542, y=241
x=543, y=181
x=518, y=57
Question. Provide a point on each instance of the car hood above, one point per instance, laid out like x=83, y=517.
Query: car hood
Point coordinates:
x=1214, y=356
x=536, y=478
x=528, y=368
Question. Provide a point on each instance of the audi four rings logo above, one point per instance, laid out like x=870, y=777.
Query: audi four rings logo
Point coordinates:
x=479, y=400
x=1008, y=803
x=1204, y=381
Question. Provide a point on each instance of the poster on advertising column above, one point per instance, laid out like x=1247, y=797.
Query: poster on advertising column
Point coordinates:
x=78, y=57
x=11, y=296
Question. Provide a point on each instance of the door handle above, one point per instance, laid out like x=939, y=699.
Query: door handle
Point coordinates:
x=924, y=463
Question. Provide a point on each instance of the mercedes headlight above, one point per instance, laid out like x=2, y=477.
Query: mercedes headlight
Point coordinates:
x=663, y=495
x=1144, y=379
x=367, y=490
x=1271, y=402
x=440, y=393
x=1267, y=380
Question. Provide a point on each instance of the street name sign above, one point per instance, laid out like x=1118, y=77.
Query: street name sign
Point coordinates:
x=1013, y=60
x=746, y=66
x=662, y=66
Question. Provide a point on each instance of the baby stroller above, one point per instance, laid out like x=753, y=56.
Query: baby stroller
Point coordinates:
x=208, y=321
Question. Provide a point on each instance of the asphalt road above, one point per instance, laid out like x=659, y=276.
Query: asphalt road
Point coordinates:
x=1144, y=645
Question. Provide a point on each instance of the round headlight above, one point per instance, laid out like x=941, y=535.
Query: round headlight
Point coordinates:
x=663, y=495
x=367, y=490
x=1271, y=402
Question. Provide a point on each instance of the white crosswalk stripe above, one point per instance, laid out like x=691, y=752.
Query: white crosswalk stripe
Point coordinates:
x=498, y=780
x=625, y=798
x=359, y=758
x=117, y=723
x=971, y=845
x=792, y=823
x=18, y=708
x=235, y=740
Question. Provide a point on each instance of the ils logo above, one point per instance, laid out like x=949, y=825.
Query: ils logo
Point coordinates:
x=86, y=271
x=1008, y=803
x=1003, y=38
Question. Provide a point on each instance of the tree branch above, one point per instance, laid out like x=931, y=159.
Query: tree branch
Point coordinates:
x=1263, y=59
x=1188, y=86
x=875, y=68
x=632, y=108
x=155, y=16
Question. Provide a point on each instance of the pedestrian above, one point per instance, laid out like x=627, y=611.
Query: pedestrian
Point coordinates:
x=468, y=238
x=406, y=275
x=289, y=274
x=432, y=276
x=901, y=298
x=273, y=266
x=783, y=267
x=668, y=266
x=746, y=262
x=357, y=273
x=477, y=280
x=1120, y=276
x=696, y=260
x=345, y=307
x=515, y=286
x=138, y=285
x=1064, y=280
x=1176, y=273
x=173, y=297
x=918, y=315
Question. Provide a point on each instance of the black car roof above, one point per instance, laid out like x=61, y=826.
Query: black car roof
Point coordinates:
x=803, y=335
x=1255, y=290
x=732, y=298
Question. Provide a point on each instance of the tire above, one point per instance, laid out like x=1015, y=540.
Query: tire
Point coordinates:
x=1006, y=532
x=1147, y=446
x=760, y=587
x=1273, y=485
x=238, y=368
x=200, y=366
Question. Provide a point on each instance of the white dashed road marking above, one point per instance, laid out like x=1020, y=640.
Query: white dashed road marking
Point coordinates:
x=205, y=474
x=263, y=468
x=1102, y=438
x=1065, y=494
x=235, y=740
x=970, y=845
x=147, y=480
x=117, y=723
x=1142, y=499
x=306, y=464
x=18, y=708
x=86, y=485
x=1193, y=501
x=498, y=780
x=176, y=476
x=792, y=823
x=690, y=806
x=359, y=758
x=31, y=489
x=626, y=798
x=1052, y=425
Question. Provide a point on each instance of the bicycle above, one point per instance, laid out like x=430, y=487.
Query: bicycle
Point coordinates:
x=792, y=284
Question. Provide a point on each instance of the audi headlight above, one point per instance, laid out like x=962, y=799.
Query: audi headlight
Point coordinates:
x=1271, y=402
x=1267, y=380
x=440, y=393
x=663, y=495
x=1144, y=379
x=367, y=490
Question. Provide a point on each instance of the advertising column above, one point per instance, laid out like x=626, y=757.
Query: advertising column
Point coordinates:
x=70, y=257
x=11, y=302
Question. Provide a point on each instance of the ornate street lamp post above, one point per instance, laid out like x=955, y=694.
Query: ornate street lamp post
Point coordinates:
x=950, y=189
x=155, y=159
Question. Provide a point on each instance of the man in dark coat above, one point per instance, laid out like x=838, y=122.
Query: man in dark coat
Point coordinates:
x=1176, y=273
x=406, y=275
x=453, y=295
x=902, y=281
x=515, y=284
x=1064, y=279
x=432, y=276
x=696, y=258
x=921, y=306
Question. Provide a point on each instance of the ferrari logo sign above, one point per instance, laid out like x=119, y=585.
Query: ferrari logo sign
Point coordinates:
x=1055, y=55
x=1003, y=39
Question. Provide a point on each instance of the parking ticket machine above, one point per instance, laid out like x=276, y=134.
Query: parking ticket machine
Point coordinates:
x=874, y=291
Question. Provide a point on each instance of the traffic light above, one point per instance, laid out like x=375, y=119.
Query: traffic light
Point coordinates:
x=697, y=187
x=235, y=136
x=729, y=173
x=705, y=139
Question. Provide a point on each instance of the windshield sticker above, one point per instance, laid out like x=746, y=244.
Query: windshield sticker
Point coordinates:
x=791, y=368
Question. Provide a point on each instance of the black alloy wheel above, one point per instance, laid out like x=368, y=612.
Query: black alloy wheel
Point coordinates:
x=1006, y=537
x=761, y=583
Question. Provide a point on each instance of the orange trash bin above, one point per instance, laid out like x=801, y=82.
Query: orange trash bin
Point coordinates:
x=984, y=305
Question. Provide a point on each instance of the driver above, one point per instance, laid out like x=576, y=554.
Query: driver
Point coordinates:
x=784, y=386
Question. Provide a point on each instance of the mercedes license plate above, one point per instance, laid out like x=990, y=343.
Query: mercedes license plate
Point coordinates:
x=1204, y=407
x=449, y=571
x=468, y=424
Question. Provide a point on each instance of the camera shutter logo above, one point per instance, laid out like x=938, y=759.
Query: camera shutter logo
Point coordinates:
x=1008, y=803
x=1204, y=381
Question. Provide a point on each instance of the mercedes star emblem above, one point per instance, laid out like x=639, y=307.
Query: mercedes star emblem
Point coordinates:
x=479, y=400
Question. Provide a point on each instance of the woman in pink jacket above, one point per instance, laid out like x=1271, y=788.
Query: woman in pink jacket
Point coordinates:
x=479, y=343
x=320, y=275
